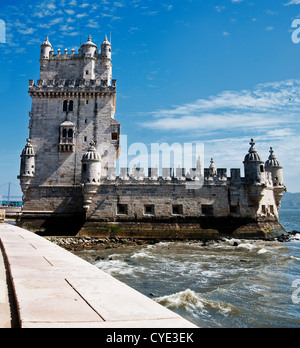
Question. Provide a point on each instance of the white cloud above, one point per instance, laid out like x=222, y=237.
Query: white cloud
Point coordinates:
x=268, y=106
x=27, y=31
x=293, y=2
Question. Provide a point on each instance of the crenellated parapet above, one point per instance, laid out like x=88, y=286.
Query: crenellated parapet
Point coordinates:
x=73, y=86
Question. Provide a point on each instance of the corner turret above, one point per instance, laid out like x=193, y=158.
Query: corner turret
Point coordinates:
x=254, y=167
x=46, y=48
x=106, y=49
x=274, y=167
x=27, y=170
x=89, y=48
x=91, y=174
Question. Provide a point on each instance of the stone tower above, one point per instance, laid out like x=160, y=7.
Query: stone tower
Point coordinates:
x=73, y=104
x=254, y=166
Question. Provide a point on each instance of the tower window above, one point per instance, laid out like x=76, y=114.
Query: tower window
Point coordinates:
x=87, y=72
x=149, y=210
x=66, y=139
x=208, y=210
x=177, y=209
x=68, y=105
x=122, y=209
x=114, y=136
x=65, y=105
x=262, y=169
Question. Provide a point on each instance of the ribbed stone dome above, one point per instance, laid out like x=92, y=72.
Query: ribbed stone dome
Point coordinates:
x=253, y=155
x=91, y=154
x=89, y=42
x=105, y=42
x=47, y=43
x=28, y=150
x=272, y=161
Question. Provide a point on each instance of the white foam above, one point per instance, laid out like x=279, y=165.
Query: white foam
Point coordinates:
x=142, y=254
x=194, y=303
x=262, y=251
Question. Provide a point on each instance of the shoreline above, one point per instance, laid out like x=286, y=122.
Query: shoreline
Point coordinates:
x=81, y=243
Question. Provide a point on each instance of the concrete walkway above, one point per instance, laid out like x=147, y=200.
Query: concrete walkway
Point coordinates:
x=54, y=288
x=5, y=314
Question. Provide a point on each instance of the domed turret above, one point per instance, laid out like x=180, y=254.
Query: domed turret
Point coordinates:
x=254, y=166
x=91, y=166
x=46, y=48
x=106, y=49
x=27, y=161
x=89, y=48
x=273, y=166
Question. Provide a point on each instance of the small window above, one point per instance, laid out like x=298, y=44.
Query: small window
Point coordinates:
x=84, y=168
x=114, y=136
x=177, y=209
x=234, y=209
x=86, y=102
x=65, y=105
x=122, y=209
x=149, y=210
x=263, y=209
x=71, y=105
x=85, y=121
x=272, y=209
x=85, y=138
x=207, y=210
x=87, y=72
x=262, y=168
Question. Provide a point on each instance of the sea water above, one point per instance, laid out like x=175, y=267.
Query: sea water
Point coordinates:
x=232, y=283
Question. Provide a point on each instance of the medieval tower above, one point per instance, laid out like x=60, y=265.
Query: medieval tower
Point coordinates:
x=68, y=167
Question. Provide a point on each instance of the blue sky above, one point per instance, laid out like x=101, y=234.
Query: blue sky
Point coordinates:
x=217, y=72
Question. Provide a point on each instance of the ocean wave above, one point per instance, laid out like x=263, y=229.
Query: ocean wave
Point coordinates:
x=115, y=267
x=194, y=303
x=296, y=238
x=263, y=251
x=142, y=254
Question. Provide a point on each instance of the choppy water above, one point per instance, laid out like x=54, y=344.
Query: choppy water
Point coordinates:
x=235, y=283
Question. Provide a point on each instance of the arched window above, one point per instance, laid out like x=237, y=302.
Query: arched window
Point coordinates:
x=71, y=105
x=65, y=105
x=67, y=137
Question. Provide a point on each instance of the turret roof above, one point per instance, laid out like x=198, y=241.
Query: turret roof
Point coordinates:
x=89, y=42
x=92, y=154
x=272, y=161
x=47, y=43
x=253, y=155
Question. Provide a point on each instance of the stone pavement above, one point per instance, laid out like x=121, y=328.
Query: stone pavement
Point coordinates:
x=56, y=289
x=5, y=315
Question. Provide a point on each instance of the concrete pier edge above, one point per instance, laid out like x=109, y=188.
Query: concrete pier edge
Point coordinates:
x=55, y=289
